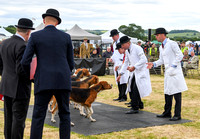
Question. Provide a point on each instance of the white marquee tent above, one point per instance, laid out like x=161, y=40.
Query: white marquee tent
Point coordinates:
x=39, y=27
x=107, y=39
x=77, y=33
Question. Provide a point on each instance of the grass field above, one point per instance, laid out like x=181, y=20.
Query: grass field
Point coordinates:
x=153, y=103
x=187, y=35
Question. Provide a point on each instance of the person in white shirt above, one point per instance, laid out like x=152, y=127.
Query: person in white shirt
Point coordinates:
x=174, y=82
x=135, y=62
x=118, y=58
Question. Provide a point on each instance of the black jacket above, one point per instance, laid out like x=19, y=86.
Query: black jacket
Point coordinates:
x=14, y=82
x=55, y=60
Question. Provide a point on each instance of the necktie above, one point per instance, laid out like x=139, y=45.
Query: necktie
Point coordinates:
x=129, y=51
x=162, y=45
x=124, y=57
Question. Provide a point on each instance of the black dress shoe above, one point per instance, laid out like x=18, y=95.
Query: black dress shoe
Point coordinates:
x=132, y=111
x=128, y=103
x=122, y=100
x=163, y=116
x=116, y=99
x=141, y=106
x=175, y=118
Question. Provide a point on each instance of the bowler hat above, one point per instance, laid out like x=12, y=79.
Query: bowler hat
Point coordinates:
x=118, y=46
x=124, y=39
x=85, y=38
x=160, y=31
x=54, y=13
x=25, y=23
x=113, y=32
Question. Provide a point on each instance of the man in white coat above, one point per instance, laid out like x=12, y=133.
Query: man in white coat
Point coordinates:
x=117, y=58
x=135, y=62
x=174, y=82
x=115, y=36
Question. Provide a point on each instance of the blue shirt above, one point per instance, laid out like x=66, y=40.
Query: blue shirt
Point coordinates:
x=190, y=50
x=164, y=42
x=20, y=36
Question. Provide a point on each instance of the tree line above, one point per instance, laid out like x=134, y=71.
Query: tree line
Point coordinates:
x=134, y=31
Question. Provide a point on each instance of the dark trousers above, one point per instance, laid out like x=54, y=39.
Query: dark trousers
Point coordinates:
x=15, y=111
x=122, y=91
x=168, y=104
x=135, y=95
x=40, y=108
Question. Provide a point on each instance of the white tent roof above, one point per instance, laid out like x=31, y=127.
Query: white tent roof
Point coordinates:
x=77, y=33
x=4, y=32
x=107, y=39
x=39, y=27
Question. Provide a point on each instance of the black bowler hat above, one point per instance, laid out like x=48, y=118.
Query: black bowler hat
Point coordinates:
x=118, y=46
x=160, y=31
x=124, y=39
x=54, y=13
x=25, y=23
x=113, y=32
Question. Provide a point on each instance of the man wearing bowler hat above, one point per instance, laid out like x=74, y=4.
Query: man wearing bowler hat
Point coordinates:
x=15, y=84
x=115, y=36
x=135, y=62
x=118, y=59
x=55, y=62
x=174, y=82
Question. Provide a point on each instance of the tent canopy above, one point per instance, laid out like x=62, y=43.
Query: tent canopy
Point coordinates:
x=107, y=39
x=39, y=27
x=4, y=32
x=77, y=33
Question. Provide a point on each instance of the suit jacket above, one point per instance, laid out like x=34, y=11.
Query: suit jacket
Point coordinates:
x=14, y=82
x=85, y=52
x=55, y=60
x=194, y=61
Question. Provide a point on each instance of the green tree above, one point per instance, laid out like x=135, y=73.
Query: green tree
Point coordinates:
x=11, y=29
x=133, y=30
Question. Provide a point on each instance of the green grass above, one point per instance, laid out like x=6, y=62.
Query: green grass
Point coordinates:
x=153, y=103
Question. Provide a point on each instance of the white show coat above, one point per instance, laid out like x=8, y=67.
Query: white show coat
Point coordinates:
x=137, y=59
x=117, y=58
x=174, y=81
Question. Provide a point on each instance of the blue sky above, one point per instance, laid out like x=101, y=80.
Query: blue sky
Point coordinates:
x=106, y=14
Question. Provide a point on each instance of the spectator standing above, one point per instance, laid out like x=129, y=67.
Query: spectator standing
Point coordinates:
x=85, y=48
x=190, y=49
x=55, y=63
x=183, y=47
x=196, y=49
x=153, y=53
x=15, y=84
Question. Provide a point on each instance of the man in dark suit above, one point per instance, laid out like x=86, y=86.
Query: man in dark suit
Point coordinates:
x=55, y=62
x=15, y=84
